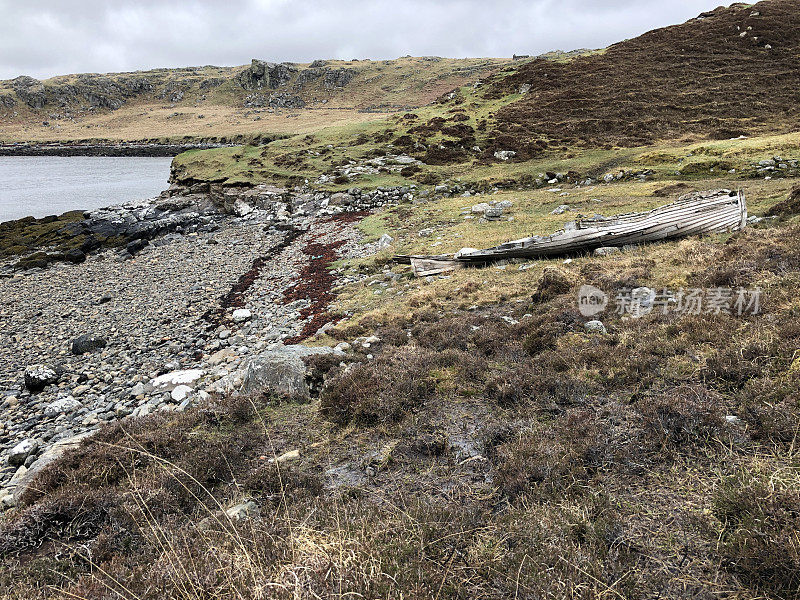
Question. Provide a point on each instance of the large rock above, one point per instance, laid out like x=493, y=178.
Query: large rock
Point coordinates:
x=170, y=381
x=20, y=452
x=240, y=315
x=62, y=406
x=263, y=74
x=39, y=377
x=280, y=371
x=22, y=483
x=88, y=343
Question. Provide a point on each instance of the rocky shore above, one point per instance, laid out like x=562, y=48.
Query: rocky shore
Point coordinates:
x=210, y=284
x=102, y=149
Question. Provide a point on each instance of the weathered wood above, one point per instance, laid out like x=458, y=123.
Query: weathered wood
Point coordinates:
x=692, y=214
x=434, y=266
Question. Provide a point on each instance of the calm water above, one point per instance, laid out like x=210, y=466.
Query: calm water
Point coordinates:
x=51, y=185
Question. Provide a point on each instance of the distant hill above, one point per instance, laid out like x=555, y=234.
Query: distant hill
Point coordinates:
x=231, y=103
x=365, y=84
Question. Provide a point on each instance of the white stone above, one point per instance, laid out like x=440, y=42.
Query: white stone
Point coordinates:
x=18, y=454
x=61, y=406
x=385, y=241
x=179, y=393
x=241, y=208
x=505, y=154
x=240, y=315
x=169, y=381
x=243, y=511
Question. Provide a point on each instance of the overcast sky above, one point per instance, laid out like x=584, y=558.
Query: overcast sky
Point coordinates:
x=43, y=38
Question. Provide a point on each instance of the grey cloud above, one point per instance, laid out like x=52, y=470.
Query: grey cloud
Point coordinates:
x=43, y=38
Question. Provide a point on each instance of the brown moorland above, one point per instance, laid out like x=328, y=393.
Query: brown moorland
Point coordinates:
x=729, y=72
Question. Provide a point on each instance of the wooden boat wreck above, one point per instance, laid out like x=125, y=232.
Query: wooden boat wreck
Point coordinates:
x=696, y=213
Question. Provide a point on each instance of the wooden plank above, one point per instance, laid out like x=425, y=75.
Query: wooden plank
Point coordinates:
x=707, y=214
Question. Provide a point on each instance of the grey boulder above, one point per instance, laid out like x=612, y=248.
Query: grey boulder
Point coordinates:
x=280, y=371
x=19, y=453
x=39, y=377
x=88, y=343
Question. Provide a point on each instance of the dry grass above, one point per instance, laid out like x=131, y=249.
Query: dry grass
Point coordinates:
x=159, y=122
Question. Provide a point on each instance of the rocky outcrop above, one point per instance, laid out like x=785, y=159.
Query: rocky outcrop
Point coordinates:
x=31, y=91
x=331, y=78
x=337, y=78
x=95, y=91
x=263, y=74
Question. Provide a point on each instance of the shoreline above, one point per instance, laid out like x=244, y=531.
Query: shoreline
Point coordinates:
x=123, y=149
x=186, y=283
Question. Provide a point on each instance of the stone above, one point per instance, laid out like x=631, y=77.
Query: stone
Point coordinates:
x=560, y=210
x=340, y=199
x=75, y=256
x=61, y=406
x=221, y=356
x=136, y=246
x=505, y=154
x=606, y=251
x=493, y=212
x=39, y=377
x=244, y=510
x=384, y=241
x=480, y=209
x=595, y=327
x=240, y=315
x=169, y=381
x=180, y=392
x=19, y=453
x=88, y=343
x=241, y=208
x=280, y=371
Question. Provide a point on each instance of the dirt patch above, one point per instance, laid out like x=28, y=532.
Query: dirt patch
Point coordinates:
x=788, y=207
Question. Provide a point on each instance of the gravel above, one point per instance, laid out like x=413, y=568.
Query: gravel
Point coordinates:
x=152, y=310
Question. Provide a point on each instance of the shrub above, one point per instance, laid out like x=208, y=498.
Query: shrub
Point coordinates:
x=760, y=518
